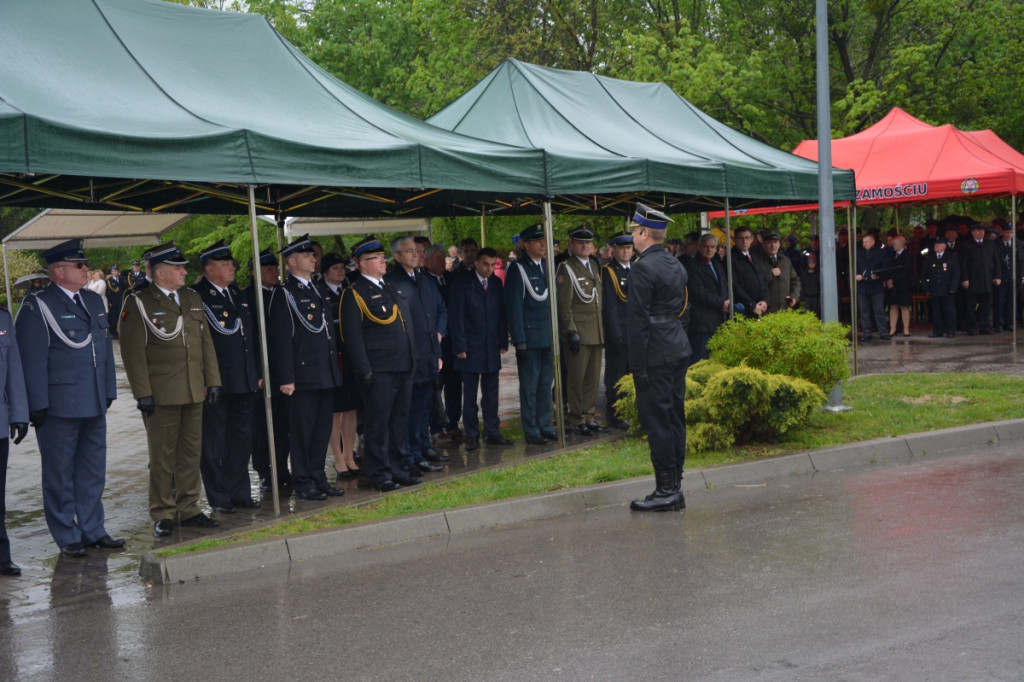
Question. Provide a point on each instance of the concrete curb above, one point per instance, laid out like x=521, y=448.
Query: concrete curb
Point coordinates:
x=224, y=561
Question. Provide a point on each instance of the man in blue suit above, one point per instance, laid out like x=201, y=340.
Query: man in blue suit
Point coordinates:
x=528, y=312
x=64, y=336
x=479, y=339
x=14, y=419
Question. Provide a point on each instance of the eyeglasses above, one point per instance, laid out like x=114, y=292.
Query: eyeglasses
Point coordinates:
x=414, y=251
x=78, y=265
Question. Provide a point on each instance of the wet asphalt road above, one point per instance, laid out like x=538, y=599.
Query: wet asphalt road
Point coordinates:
x=876, y=573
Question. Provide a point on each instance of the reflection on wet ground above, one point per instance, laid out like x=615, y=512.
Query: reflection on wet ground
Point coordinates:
x=111, y=577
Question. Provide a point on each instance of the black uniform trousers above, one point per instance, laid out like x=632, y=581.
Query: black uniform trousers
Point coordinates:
x=227, y=427
x=488, y=386
x=616, y=364
x=944, y=314
x=662, y=414
x=417, y=433
x=451, y=381
x=310, y=413
x=260, y=442
x=980, y=305
x=385, y=419
x=5, y=543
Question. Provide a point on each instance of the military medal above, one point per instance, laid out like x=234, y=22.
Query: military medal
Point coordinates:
x=222, y=323
x=309, y=317
x=312, y=305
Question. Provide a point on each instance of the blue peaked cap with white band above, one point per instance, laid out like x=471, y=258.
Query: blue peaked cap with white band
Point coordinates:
x=652, y=218
x=369, y=245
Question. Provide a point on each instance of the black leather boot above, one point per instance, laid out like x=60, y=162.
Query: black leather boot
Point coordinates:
x=666, y=495
x=678, y=476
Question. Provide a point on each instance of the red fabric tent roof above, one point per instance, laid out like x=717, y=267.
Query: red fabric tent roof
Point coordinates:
x=902, y=159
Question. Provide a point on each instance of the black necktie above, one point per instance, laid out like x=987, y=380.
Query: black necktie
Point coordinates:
x=81, y=304
x=174, y=298
x=484, y=282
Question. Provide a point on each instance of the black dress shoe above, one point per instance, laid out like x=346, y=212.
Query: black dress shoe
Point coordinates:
x=432, y=455
x=162, y=528
x=536, y=440
x=346, y=475
x=265, y=485
x=426, y=467
x=597, y=428
x=107, y=542
x=950, y=336
x=865, y=339
x=248, y=504
x=200, y=520
x=885, y=337
x=934, y=335
x=314, y=495
x=621, y=424
x=580, y=430
x=472, y=444
x=9, y=568
x=333, y=492
x=222, y=510
x=987, y=332
x=498, y=440
x=406, y=480
x=550, y=435
x=386, y=486
x=75, y=550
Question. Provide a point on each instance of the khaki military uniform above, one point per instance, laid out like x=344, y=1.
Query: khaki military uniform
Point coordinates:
x=175, y=365
x=579, y=309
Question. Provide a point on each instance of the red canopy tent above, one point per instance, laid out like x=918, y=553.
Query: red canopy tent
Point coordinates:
x=902, y=159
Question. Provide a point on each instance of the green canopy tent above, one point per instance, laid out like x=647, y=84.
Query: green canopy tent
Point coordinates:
x=628, y=140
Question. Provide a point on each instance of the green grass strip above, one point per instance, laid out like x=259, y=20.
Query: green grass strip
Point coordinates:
x=883, y=406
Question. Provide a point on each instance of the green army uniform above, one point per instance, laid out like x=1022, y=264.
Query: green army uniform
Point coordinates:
x=168, y=353
x=578, y=295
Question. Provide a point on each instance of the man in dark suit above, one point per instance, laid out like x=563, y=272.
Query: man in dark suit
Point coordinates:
x=267, y=276
x=981, y=272
x=13, y=420
x=615, y=283
x=709, y=296
x=66, y=352
x=782, y=281
x=427, y=317
x=749, y=291
x=659, y=354
x=172, y=368
x=1004, y=315
x=479, y=339
x=304, y=367
x=940, y=279
x=451, y=381
x=376, y=328
x=227, y=424
x=528, y=312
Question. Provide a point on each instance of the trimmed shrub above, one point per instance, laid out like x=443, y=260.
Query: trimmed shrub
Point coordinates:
x=788, y=342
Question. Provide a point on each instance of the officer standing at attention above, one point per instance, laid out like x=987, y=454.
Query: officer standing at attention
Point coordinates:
x=266, y=275
x=376, y=326
x=579, y=319
x=659, y=353
x=304, y=366
x=528, y=314
x=616, y=352
x=227, y=423
x=13, y=419
x=66, y=352
x=137, y=278
x=172, y=368
x=115, y=295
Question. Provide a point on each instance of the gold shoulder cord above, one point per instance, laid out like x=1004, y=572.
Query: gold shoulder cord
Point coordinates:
x=615, y=282
x=686, y=301
x=365, y=310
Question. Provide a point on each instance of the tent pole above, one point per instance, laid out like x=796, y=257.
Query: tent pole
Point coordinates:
x=851, y=255
x=549, y=239
x=483, y=236
x=257, y=286
x=1014, y=244
x=7, y=283
x=728, y=261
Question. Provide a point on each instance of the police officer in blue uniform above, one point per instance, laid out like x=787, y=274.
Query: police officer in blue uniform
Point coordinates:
x=13, y=419
x=227, y=424
x=659, y=353
x=528, y=313
x=66, y=351
x=376, y=325
x=304, y=366
x=616, y=353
